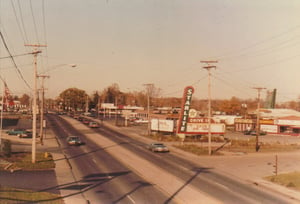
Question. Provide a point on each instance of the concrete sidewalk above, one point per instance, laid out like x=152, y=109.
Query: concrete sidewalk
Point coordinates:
x=64, y=174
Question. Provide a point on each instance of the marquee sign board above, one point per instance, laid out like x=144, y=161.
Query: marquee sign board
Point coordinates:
x=186, y=103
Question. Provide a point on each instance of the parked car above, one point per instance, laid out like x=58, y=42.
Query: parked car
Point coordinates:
x=253, y=132
x=93, y=124
x=16, y=131
x=158, y=147
x=140, y=121
x=26, y=134
x=74, y=140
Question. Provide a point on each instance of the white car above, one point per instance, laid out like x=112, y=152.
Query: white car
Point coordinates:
x=158, y=147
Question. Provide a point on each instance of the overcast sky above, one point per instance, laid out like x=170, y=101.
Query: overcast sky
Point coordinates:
x=131, y=43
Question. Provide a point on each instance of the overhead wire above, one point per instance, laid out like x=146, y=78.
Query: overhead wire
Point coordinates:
x=45, y=32
x=22, y=21
x=234, y=87
x=192, y=84
x=34, y=21
x=19, y=55
x=13, y=60
x=23, y=35
x=232, y=54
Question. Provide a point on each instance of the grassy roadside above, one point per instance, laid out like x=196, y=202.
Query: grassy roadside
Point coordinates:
x=245, y=146
x=14, y=196
x=290, y=180
x=23, y=161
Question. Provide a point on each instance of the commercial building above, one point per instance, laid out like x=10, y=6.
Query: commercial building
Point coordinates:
x=273, y=121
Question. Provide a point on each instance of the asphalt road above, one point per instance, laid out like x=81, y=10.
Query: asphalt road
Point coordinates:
x=100, y=177
x=212, y=183
x=218, y=186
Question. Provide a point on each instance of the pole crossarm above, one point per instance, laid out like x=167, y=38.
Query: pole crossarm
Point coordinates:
x=209, y=61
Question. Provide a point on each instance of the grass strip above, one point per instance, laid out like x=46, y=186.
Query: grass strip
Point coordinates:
x=290, y=180
x=23, y=160
x=13, y=195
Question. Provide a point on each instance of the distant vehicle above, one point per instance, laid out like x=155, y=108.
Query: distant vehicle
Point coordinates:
x=158, y=147
x=26, y=134
x=85, y=121
x=16, y=131
x=140, y=121
x=253, y=132
x=87, y=114
x=93, y=124
x=74, y=140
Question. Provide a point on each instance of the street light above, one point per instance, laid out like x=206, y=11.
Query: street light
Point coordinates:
x=59, y=66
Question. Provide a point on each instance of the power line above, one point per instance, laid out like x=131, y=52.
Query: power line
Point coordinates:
x=234, y=87
x=19, y=55
x=45, y=31
x=34, y=23
x=22, y=21
x=12, y=58
x=233, y=53
x=24, y=37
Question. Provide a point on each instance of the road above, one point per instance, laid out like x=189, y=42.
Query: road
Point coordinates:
x=219, y=186
x=100, y=177
x=192, y=175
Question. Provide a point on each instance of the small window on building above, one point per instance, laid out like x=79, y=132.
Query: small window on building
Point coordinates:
x=284, y=129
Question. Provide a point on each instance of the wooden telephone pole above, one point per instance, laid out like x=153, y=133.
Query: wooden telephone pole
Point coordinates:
x=208, y=67
x=42, y=109
x=259, y=89
x=34, y=108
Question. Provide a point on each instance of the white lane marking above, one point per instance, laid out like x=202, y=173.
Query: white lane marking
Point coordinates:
x=222, y=186
x=130, y=198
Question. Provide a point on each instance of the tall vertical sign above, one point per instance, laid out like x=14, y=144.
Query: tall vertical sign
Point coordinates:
x=185, y=108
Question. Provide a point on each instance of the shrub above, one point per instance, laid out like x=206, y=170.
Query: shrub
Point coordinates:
x=6, y=148
x=291, y=184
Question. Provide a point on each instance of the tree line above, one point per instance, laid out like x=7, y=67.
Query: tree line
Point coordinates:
x=77, y=99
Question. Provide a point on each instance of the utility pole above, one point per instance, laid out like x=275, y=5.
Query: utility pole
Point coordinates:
x=42, y=109
x=34, y=108
x=148, y=87
x=208, y=67
x=259, y=89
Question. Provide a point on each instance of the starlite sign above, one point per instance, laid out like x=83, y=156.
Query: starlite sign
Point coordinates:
x=186, y=103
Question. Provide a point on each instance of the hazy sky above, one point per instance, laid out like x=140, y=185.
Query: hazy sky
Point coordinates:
x=131, y=43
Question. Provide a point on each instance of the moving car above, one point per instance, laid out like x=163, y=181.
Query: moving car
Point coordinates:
x=74, y=140
x=158, y=147
x=85, y=121
x=93, y=124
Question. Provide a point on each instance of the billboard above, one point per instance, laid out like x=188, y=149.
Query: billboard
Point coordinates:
x=162, y=125
x=203, y=128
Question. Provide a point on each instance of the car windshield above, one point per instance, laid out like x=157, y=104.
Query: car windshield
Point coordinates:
x=74, y=138
x=159, y=145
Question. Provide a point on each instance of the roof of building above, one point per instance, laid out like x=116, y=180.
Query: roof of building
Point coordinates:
x=279, y=113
